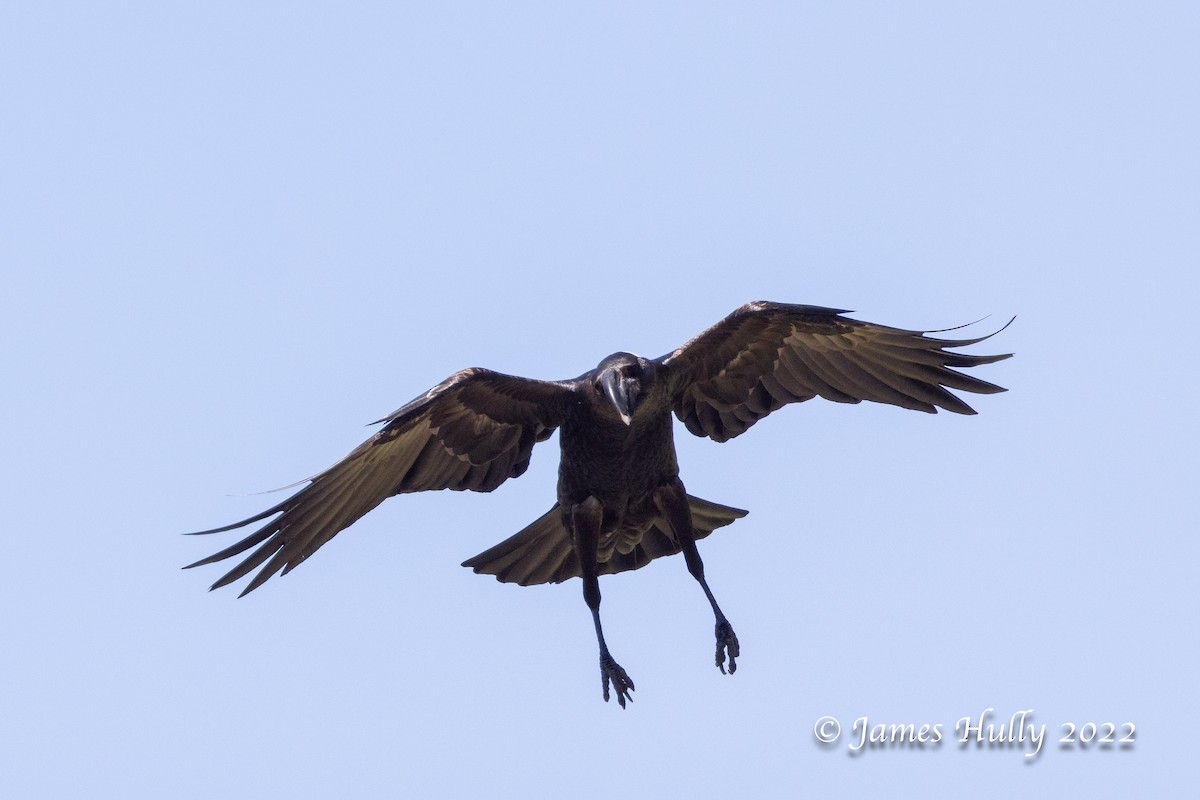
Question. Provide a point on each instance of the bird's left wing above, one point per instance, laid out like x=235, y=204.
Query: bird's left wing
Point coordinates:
x=765, y=355
x=472, y=431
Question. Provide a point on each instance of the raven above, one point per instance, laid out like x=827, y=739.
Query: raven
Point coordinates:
x=620, y=503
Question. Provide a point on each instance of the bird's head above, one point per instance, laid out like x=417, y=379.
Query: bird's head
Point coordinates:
x=625, y=381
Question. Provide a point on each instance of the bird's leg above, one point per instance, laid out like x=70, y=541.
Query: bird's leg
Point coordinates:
x=586, y=519
x=672, y=503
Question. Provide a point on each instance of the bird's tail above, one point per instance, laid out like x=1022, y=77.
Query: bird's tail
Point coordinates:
x=542, y=552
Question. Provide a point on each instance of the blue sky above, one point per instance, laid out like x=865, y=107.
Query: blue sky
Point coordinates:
x=230, y=236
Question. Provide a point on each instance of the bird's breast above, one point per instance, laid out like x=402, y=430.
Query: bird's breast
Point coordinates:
x=616, y=465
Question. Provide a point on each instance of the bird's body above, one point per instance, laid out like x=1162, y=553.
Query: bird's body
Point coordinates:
x=616, y=462
x=620, y=501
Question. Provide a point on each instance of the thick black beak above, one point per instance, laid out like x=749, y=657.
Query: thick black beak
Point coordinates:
x=622, y=393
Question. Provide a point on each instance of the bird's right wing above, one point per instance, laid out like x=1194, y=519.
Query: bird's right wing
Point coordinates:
x=765, y=355
x=472, y=431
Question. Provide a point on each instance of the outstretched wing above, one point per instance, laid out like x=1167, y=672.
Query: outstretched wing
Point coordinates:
x=472, y=431
x=765, y=355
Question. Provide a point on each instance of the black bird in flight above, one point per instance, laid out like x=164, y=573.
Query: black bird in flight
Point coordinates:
x=621, y=503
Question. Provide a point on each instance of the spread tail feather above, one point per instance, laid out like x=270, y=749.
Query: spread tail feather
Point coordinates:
x=542, y=552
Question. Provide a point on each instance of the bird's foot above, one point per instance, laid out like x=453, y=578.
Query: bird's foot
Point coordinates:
x=611, y=671
x=727, y=641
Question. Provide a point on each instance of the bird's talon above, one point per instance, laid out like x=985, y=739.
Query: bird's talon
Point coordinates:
x=727, y=641
x=611, y=671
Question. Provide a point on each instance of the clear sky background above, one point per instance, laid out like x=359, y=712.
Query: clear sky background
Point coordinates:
x=231, y=234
